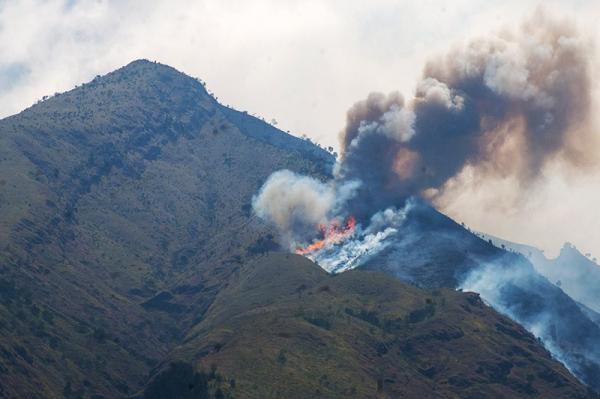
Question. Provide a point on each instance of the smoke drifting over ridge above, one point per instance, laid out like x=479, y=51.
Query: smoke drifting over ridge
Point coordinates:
x=506, y=105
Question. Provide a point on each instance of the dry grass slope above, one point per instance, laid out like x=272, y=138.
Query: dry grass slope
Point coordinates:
x=285, y=328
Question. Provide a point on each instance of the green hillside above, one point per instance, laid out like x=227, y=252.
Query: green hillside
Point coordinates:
x=284, y=328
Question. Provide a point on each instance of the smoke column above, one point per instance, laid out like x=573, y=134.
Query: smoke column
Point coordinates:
x=503, y=105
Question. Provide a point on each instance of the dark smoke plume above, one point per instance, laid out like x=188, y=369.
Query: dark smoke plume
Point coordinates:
x=505, y=105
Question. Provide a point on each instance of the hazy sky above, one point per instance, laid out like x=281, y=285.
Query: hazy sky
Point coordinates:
x=303, y=63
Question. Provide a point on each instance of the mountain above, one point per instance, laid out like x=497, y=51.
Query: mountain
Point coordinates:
x=131, y=266
x=124, y=206
x=432, y=251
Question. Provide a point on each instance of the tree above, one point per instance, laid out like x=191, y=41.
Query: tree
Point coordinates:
x=281, y=358
x=178, y=381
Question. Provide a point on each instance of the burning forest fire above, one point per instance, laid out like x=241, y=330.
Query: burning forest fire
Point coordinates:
x=504, y=107
x=332, y=234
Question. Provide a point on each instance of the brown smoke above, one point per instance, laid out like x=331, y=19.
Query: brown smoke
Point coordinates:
x=504, y=105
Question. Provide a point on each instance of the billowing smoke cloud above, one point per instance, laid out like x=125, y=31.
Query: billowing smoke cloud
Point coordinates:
x=374, y=151
x=504, y=105
x=296, y=205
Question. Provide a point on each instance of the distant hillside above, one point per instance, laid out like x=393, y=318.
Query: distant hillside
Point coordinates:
x=575, y=273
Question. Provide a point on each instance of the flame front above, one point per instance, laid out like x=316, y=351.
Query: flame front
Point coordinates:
x=332, y=234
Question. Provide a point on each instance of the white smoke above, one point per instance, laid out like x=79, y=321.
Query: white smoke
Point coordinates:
x=287, y=197
x=365, y=243
x=296, y=205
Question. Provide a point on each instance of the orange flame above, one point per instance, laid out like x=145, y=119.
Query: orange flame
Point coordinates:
x=332, y=234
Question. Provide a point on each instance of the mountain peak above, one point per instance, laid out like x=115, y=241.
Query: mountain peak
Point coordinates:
x=152, y=69
x=148, y=96
x=569, y=250
x=142, y=62
x=153, y=78
x=140, y=91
